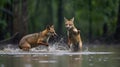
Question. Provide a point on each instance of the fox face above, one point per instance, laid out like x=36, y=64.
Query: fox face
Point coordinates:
x=69, y=23
x=74, y=39
x=51, y=30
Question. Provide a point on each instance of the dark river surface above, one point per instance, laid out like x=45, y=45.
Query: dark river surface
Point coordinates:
x=90, y=56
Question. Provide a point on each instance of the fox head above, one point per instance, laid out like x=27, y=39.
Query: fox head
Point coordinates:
x=69, y=23
x=51, y=30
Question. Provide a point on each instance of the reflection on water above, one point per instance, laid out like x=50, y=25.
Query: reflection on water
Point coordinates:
x=91, y=56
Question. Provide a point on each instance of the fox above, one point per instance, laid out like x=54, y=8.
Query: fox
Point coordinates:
x=73, y=35
x=33, y=40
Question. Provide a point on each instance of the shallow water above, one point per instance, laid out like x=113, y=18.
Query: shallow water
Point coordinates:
x=90, y=56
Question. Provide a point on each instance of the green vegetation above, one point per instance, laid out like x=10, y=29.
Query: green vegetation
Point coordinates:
x=97, y=19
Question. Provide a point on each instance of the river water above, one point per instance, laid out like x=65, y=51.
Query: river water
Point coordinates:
x=90, y=56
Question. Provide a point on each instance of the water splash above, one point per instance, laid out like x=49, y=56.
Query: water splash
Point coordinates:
x=56, y=48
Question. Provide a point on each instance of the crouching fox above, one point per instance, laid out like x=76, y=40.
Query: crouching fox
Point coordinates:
x=36, y=39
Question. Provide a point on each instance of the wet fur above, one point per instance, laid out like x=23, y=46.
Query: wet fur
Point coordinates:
x=74, y=39
x=36, y=39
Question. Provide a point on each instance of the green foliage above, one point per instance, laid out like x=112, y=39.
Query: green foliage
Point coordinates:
x=3, y=2
x=44, y=12
x=102, y=11
x=2, y=25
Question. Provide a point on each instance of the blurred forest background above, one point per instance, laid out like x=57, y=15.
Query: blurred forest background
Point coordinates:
x=98, y=20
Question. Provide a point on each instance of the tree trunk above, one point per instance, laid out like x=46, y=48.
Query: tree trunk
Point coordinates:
x=90, y=21
x=20, y=18
x=60, y=16
x=8, y=17
x=50, y=9
x=117, y=32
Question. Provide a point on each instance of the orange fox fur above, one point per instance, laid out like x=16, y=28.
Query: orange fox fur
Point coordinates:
x=74, y=38
x=36, y=39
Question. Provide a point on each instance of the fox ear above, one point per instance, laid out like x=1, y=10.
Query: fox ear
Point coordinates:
x=65, y=19
x=72, y=19
x=52, y=26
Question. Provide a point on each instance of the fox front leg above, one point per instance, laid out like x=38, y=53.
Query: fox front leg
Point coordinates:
x=69, y=42
x=46, y=44
x=77, y=32
x=42, y=43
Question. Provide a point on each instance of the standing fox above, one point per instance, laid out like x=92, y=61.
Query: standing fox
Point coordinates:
x=36, y=39
x=74, y=39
